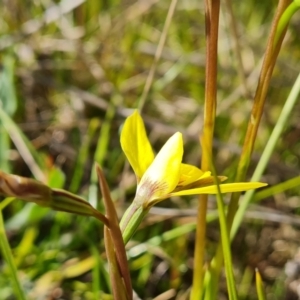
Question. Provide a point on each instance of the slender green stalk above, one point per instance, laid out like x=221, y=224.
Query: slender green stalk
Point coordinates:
x=212, y=24
x=226, y=249
x=10, y=261
x=262, y=164
x=231, y=286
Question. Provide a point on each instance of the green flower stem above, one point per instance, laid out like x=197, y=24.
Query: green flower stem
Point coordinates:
x=10, y=261
x=131, y=220
x=231, y=286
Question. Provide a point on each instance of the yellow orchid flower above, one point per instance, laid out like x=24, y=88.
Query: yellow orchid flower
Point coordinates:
x=165, y=175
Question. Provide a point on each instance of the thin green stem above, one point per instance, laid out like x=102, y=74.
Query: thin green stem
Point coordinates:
x=231, y=286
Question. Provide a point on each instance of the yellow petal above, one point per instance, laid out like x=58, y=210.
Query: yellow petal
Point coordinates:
x=190, y=174
x=136, y=145
x=225, y=188
x=163, y=175
x=202, y=182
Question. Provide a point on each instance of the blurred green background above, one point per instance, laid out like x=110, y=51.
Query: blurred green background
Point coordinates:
x=71, y=71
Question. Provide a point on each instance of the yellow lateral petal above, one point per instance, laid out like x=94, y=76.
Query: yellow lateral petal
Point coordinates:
x=136, y=145
x=163, y=175
x=202, y=182
x=225, y=188
x=190, y=174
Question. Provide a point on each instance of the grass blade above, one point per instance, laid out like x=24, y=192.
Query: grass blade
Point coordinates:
x=6, y=250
